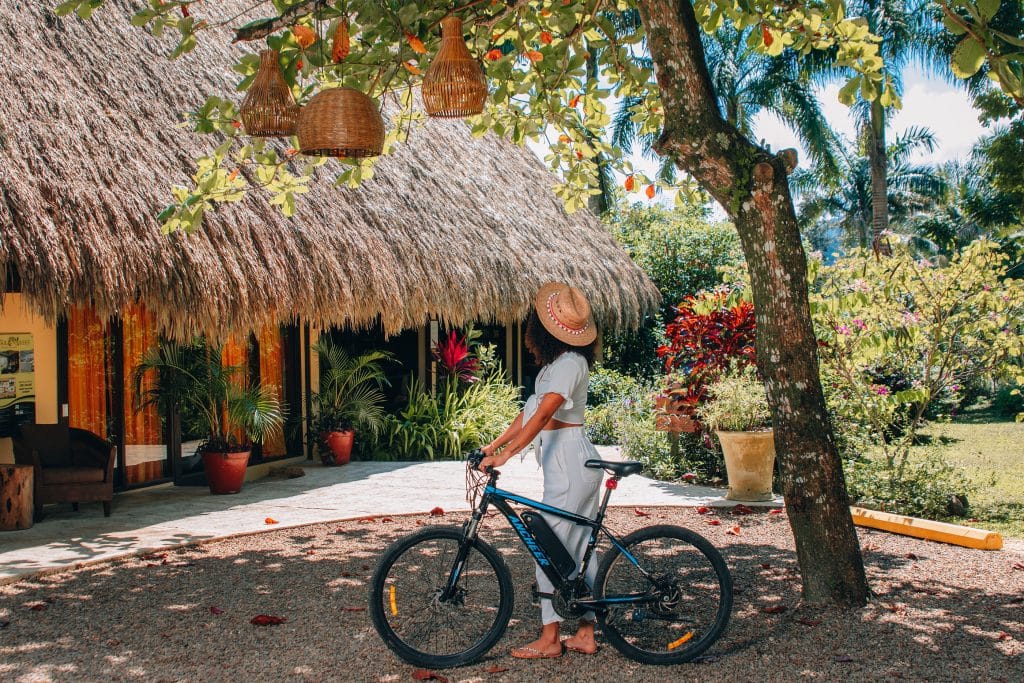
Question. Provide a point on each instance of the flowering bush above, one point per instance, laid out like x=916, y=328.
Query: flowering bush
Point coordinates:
x=455, y=359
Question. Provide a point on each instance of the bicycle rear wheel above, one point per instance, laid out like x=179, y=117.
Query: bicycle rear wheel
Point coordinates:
x=681, y=611
x=417, y=622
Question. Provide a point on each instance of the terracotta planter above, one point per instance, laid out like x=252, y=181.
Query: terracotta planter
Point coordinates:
x=340, y=445
x=225, y=472
x=749, y=462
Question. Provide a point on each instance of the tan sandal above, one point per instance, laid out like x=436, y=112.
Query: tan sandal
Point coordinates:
x=527, y=652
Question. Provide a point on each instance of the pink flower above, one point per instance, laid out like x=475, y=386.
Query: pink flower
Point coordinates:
x=842, y=329
x=859, y=324
x=880, y=389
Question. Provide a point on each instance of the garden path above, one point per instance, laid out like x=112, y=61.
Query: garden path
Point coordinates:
x=167, y=517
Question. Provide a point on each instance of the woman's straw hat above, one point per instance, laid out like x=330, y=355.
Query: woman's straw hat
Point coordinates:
x=565, y=313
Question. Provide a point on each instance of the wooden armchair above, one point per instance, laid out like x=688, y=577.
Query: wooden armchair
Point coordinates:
x=71, y=465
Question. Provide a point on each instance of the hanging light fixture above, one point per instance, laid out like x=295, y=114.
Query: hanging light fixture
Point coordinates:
x=341, y=122
x=269, y=109
x=454, y=85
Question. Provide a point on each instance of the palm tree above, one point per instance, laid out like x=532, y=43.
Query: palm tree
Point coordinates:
x=748, y=82
x=849, y=207
x=909, y=33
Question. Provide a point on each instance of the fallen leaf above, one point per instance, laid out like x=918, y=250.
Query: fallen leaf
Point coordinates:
x=546, y=37
x=689, y=476
x=809, y=622
x=354, y=608
x=386, y=520
x=1019, y=566
x=741, y=509
x=776, y=511
x=113, y=642
x=640, y=513
x=495, y=669
x=311, y=552
x=339, y=530
x=420, y=522
x=304, y=35
x=703, y=510
x=713, y=522
x=437, y=512
x=650, y=191
x=216, y=610
x=366, y=520
x=270, y=520
x=774, y=609
x=1003, y=635
x=912, y=556
x=39, y=607
x=267, y=620
x=534, y=56
x=765, y=565
x=842, y=659
x=416, y=44
x=425, y=675
x=733, y=530
x=346, y=574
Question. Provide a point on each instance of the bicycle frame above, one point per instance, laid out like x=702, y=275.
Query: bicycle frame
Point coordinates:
x=501, y=498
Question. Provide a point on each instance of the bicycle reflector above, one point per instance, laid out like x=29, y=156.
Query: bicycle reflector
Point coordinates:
x=611, y=484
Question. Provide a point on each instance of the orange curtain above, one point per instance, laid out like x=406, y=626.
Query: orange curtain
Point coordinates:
x=272, y=376
x=87, y=371
x=142, y=429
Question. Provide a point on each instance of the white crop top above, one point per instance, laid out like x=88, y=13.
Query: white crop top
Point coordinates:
x=568, y=376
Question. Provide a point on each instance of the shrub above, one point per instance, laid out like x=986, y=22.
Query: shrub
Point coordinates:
x=736, y=403
x=923, y=487
x=602, y=424
x=696, y=455
x=1008, y=401
x=608, y=385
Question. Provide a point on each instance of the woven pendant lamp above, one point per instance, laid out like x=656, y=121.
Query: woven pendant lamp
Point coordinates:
x=454, y=85
x=341, y=122
x=269, y=109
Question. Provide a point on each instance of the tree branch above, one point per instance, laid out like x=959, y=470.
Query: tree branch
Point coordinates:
x=261, y=28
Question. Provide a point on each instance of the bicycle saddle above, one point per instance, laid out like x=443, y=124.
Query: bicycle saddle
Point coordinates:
x=619, y=468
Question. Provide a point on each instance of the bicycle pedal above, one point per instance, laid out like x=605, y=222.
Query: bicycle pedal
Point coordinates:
x=536, y=595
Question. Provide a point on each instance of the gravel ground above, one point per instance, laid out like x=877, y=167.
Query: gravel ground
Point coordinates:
x=940, y=613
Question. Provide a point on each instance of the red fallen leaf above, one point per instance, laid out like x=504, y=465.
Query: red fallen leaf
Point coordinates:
x=353, y=609
x=912, y=556
x=495, y=669
x=1003, y=635
x=113, y=642
x=39, y=607
x=424, y=675
x=689, y=476
x=216, y=610
x=386, y=520
x=741, y=509
x=420, y=522
x=364, y=566
x=364, y=520
x=270, y=520
x=437, y=512
x=311, y=552
x=267, y=620
x=703, y=510
x=1019, y=566
x=765, y=565
x=733, y=530
x=640, y=513
x=713, y=522
x=776, y=511
x=809, y=622
x=774, y=609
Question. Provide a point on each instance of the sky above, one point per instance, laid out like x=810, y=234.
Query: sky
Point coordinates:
x=927, y=101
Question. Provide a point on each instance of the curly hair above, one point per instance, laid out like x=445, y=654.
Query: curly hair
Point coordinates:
x=545, y=348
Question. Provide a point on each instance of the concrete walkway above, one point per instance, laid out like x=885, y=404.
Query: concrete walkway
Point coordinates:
x=167, y=516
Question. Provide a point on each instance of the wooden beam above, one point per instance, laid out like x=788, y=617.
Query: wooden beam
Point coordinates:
x=943, y=532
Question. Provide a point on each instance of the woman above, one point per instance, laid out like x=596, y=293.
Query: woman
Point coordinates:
x=561, y=336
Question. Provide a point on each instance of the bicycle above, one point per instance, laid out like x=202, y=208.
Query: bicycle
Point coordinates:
x=442, y=597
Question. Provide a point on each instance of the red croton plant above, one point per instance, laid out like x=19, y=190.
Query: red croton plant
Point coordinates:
x=456, y=360
x=709, y=332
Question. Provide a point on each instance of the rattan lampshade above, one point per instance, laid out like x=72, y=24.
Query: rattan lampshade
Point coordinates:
x=341, y=122
x=269, y=109
x=454, y=85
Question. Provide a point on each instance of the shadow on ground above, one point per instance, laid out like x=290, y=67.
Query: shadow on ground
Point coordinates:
x=939, y=613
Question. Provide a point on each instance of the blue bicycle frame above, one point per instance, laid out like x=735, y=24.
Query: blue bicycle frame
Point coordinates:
x=501, y=499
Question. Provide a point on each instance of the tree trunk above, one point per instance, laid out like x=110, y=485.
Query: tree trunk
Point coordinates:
x=751, y=185
x=879, y=178
x=597, y=203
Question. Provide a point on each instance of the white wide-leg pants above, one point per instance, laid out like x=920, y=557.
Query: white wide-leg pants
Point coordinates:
x=570, y=486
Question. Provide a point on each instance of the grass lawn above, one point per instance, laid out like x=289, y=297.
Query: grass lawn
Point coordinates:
x=992, y=452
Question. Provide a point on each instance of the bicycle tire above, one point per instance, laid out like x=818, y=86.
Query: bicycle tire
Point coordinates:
x=409, y=652
x=669, y=651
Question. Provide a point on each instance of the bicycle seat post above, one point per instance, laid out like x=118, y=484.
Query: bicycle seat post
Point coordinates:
x=610, y=484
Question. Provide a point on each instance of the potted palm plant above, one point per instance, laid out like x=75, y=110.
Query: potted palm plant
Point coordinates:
x=350, y=399
x=737, y=410
x=228, y=409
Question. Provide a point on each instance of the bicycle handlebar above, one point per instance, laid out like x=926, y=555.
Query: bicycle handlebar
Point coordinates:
x=474, y=458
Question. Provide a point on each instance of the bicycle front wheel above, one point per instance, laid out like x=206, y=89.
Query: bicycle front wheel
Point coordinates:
x=418, y=621
x=675, y=612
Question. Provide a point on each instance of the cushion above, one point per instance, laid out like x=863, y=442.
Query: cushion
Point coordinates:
x=72, y=475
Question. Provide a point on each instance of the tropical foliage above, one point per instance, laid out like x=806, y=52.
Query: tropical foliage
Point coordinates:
x=736, y=402
x=230, y=411
x=350, y=395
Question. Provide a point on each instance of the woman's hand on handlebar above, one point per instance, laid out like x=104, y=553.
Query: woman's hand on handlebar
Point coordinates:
x=488, y=450
x=491, y=461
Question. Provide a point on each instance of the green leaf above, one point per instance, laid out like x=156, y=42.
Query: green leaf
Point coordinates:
x=988, y=8
x=968, y=56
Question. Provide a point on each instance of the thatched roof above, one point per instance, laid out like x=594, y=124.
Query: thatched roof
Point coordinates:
x=450, y=226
